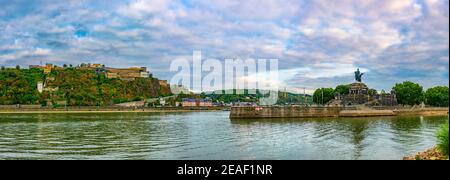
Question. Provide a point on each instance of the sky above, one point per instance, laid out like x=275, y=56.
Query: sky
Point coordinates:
x=318, y=43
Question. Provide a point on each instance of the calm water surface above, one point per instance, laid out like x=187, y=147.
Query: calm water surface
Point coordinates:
x=211, y=135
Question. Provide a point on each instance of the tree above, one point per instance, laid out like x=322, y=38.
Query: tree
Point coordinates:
x=437, y=96
x=65, y=66
x=323, y=95
x=29, y=99
x=372, y=92
x=408, y=93
x=3, y=68
x=18, y=67
x=342, y=89
x=202, y=95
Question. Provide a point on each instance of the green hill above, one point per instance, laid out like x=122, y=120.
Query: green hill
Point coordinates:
x=76, y=86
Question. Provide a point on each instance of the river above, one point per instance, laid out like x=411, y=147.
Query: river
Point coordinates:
x=211, y=135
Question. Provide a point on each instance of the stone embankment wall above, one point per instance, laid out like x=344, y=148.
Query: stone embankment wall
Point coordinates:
x=282, y=112
x=307, y=112
x=423, y=111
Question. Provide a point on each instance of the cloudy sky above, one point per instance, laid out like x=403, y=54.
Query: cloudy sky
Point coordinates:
x=318, y=43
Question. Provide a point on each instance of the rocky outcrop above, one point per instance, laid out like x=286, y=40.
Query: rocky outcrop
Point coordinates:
x=430, y=154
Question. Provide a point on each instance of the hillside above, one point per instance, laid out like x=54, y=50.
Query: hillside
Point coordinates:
x=77, y=87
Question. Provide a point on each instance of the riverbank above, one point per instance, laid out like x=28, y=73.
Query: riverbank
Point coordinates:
x=429, y=154
x=107, y=110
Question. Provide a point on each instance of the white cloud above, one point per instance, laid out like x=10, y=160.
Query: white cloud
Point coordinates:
x=140, y=8
x=25, y=53
x=337, y=33
x=254, y=9
x=329, y=70
x=380, y=35
x=40, y=51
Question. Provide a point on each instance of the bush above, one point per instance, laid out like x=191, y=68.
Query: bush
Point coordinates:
x=120, y=100
x=138, y=99
x=442, y=136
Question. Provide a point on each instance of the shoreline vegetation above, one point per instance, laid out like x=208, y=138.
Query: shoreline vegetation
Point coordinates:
x=440, y=151
x=429, y=154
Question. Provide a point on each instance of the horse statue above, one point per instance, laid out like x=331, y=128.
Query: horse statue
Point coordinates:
x=358, y=75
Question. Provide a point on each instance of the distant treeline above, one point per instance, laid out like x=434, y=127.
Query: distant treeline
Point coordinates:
x=245, y=95
x=76, y=87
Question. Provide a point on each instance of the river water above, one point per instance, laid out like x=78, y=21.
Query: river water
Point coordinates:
x=211, y=135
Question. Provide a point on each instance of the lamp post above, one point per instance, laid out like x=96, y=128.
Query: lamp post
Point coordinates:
x=322, y=96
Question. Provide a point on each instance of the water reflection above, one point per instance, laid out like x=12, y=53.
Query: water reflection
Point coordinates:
x=356, y=138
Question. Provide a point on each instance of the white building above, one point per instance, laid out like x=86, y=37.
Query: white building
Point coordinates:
x=162, y=101
x=40, y=87
x=145, y=74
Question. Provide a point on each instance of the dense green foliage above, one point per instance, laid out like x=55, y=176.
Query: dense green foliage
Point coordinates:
x=229, y=96
x=19, y=86
x=342, y=89
x=372, y=92
x=292, y=98
x=323, y=95
x=71, y=86
x=442, y=137
x=409, y=93
x=246, y=96
x=437, y=96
